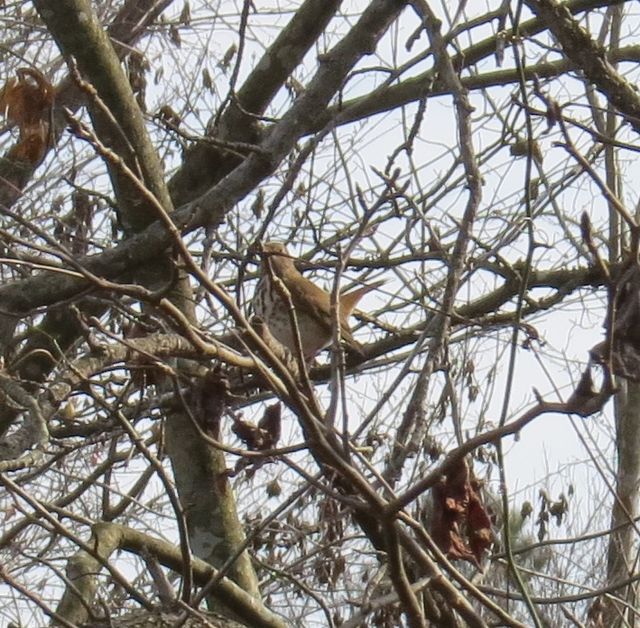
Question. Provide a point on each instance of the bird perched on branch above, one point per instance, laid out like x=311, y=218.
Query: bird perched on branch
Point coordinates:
x=312, y=305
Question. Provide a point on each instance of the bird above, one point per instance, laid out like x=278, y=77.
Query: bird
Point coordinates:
x=311, y=303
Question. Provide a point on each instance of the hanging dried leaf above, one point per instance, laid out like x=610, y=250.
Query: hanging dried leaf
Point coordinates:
x=73, y=229
x=169, y=116
x=270, y=424
x=273, y=488
x=331, y=519
x=142, y=369
x=541, y=522
x=258, y=205
x=137, y=68
x=461, y=526
x=185, y=15
x=248, y=433
x=263, y=436
x=174, y=35
x=554, y=113
x=226, y=60
x=559, y=509
x=26, y=101
x=596, y=615
x=31, y=145
x=207, y=80
x=526, y=510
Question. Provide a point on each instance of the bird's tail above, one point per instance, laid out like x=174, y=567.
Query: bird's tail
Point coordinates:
x=349, y=300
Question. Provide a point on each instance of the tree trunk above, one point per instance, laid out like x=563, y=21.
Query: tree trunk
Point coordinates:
x=622, y=552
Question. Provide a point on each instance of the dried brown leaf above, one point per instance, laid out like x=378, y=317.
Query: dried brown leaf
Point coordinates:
x=461, y=525
x=26, y=101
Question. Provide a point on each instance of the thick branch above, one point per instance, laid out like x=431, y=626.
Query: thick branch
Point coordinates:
x=79, y=34
x=205, y=165
x=430, y=84
x=590, y=57
x=109, y=537
x=128, y=26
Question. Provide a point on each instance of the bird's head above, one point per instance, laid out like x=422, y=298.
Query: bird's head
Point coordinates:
x=278, y=256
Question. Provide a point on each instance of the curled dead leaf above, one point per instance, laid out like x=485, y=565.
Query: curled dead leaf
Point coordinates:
x=26, y=101
x=461, y=526
x=263, y=436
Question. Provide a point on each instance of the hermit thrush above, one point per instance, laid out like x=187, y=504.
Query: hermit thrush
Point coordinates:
x=311, y=303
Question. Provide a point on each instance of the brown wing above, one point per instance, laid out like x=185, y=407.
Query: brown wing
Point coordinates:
x=309, y=298
x=316, y=303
